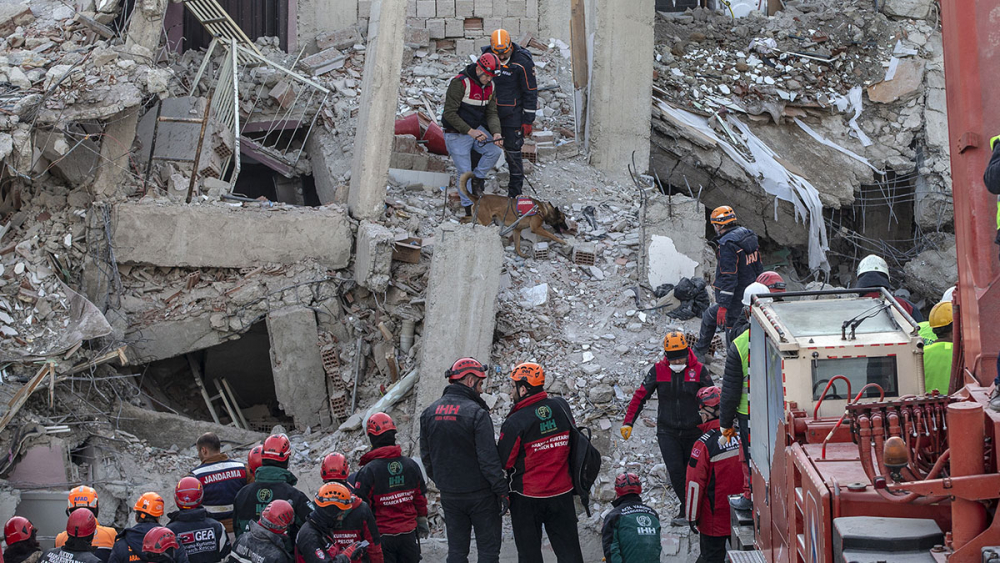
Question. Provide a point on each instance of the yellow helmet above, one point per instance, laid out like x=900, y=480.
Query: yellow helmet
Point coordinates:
x=941, y=315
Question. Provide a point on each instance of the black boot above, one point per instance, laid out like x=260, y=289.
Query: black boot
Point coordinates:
x=468, y=211
x=478, y=186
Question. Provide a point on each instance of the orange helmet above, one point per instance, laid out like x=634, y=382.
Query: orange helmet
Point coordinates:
x=188, y=493
x=334, y=468
x=379, y=423
x=501, y=44
x=334, y=494
x=529, y=373
x=81, y=523
x=465, y=366
x=675, y=341
x=149, y=503
x=81, y=497
x=723, y=215
x=254, y=459
x=276, y=448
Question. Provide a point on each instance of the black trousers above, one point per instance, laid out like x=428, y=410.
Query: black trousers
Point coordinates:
x=558, y=515
x=465, y=512
x=713, y=549
x=675, y=446
x=513, y=140
x=402, y=548
x=708, y=327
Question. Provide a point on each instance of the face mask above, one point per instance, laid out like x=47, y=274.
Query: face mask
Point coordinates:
x=678, y=368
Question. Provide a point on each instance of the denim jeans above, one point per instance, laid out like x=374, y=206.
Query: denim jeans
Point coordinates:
x=460, y=147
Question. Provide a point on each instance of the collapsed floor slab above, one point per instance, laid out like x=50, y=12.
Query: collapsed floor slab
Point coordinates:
x=165, y=430
x=299, y=379
x=225, y=237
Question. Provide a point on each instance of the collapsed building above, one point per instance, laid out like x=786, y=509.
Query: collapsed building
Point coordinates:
x=213, y=218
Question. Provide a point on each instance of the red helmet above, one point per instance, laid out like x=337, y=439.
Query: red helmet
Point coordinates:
x=17, y=529
x=463, y=367
x=158, y=540
x=773, y=281
x=277, y=516
x=488, y=63
x=254, y=458
x=379, y=423
x=335, y=468
x=627, y=483
x=276, y=448
x=188, y=493
x=81, y=523
x=709, y=397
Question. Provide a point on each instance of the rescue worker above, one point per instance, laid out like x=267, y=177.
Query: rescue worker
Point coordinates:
x=735, y=401
x=468, y=120
x=204, y=539
x=78, y=544
x=534, y=449
x=714, y=472
x=631, y=532
x=22, y=541
x=221, y=478
x=393, y=486
x=339, y=525
x=775, y=284
x=873, y=271
x=335, y=469
x=517, y=99
x=160, y=545
x=459, y=453
x=253, y=462
x=937, y=356
x=926, y=332
x=104, y=538
x=128, y=545
x=272, y=481
x=266, y=540
x=676, y=379
x=991, y=177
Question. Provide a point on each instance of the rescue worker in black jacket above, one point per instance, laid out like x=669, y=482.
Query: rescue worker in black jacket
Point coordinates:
x=78, y=548
x=459, y=453
x=342, y=528
x=266, y=541
x=128, y=546
x=675, y=379
x=517, y=101
x=272, y=481
x=336, y=469
x=393, y=486
x=204, y=539
x=160, y=545
x=738, y=264
x=534, y=448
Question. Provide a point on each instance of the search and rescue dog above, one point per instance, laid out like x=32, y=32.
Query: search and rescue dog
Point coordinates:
x=489, y=207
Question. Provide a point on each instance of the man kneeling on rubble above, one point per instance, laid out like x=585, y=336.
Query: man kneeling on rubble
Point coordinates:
x=470, y=108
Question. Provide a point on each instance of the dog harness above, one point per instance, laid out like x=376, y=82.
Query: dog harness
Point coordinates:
x=525, y=206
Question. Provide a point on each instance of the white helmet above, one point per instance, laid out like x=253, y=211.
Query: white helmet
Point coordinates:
x=949, y=295
x=873, y=263
x=754, y=289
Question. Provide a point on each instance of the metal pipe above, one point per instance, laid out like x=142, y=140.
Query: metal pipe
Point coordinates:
x=968, y=518
x=201, y=143
x=878, y=433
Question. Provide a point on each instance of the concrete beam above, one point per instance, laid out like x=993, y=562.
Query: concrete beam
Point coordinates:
x=461, y=303
x=146, y=24
x=172, y=338
x=119, y=134
x=162, y=429
x=203, y=236
x=297, y=366
x=373, y=258
x=620, y=109
x=376, y=119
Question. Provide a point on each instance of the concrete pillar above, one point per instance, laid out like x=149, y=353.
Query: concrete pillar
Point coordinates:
x=119, y=133
x=146, y=24
x=461, y=303
x=621, y=84
x=675, y=245
x=373, y=258
x=553, y=20
x=376, y=118
x=297, y=366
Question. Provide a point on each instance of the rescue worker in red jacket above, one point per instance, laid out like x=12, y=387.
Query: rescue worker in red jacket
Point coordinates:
x=77, y=547
x=393, y=486
x=340, y=525
x=714, y=472
x=336, y=469
x=534, y=450
x=22, y=541
x=675, y=379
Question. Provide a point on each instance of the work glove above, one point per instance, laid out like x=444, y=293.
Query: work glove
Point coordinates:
x=694, y=527
x=626, y=431
x=504, y=503
x=720, y=316
x=526, y=129
x=423, y=528
x=727, y=435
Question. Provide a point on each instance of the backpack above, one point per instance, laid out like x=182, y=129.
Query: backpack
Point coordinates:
x=584, y=462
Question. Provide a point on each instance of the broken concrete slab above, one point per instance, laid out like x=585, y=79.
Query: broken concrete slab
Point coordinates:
x=115, y=149
x=297, y=365
x=916, y=9
x=933, y=271
x=215, y=236
x=419, y=177
x=172, y=338
x=164, y=430
x=907, y=83
x=330, y=164
x=74, y=160
x=14, y=15
x=373, y=258
x=675, y=240
x=324, y=61
x=460, y=315
x=339, y=39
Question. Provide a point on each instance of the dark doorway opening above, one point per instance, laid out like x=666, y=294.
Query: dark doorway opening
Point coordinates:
x=257, y=18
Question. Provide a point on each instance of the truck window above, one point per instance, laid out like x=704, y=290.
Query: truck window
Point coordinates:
x=860, y=371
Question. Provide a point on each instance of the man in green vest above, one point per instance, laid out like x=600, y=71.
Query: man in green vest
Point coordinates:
x=926, y=332
x=937, y=356
x=991, y=177
x=736, y=393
